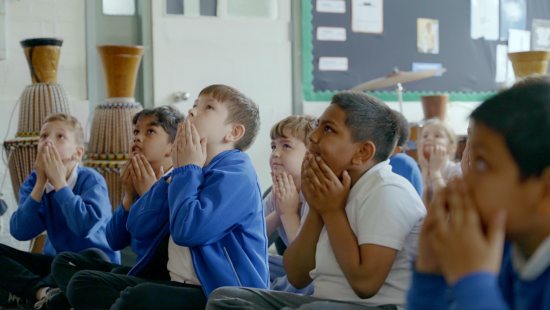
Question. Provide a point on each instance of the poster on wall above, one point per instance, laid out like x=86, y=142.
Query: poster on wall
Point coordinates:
x=427, y=36
x=513, y=15
x=367, y=16
x=484, y=19
x=541, y=35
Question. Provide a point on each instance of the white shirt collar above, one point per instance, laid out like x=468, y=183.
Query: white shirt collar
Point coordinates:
x=71, y=182
x=532, y=268
x=168, y=172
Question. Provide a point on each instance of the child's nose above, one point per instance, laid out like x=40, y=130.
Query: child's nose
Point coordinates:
x=191, y=113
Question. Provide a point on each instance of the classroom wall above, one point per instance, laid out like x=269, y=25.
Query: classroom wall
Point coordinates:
x=33, y=19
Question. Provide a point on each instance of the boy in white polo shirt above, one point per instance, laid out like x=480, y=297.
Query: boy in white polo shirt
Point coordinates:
x=360, y=235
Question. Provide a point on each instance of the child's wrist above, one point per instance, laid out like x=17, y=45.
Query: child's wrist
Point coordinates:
x=435, y=175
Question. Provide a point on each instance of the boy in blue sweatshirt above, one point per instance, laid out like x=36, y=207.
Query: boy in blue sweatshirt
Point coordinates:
x=214, y=205
x=154, y=132
x=69, y=202
x=504, y=194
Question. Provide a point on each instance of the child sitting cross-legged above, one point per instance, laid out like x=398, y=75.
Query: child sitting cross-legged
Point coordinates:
x=132, y=222
x=359, y=237
x=505, y=195
x=213, y=203
x=69, y=202
x=284, y=206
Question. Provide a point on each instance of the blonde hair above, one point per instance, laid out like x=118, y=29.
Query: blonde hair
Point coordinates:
x=453, y=140
x=73, y=123
x=298, y=126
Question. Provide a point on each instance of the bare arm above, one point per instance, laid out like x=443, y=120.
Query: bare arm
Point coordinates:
x=291, y=224
x=272, y=222
x=299, y=257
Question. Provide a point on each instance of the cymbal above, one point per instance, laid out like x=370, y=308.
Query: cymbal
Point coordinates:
x=396, y=78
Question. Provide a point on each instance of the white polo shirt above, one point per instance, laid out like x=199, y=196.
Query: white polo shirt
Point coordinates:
x=383, y=208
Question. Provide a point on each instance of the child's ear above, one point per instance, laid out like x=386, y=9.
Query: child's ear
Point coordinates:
x=543, y=203
x=235, y=134
x=169, y=149
x=365, y=152
x=79, y=152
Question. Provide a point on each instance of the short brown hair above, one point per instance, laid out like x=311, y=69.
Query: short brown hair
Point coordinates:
x=72, y=122
x=298, y=126
x=242, y=110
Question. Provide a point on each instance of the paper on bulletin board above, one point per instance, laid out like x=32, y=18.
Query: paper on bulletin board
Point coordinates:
x=513, y=15
x=367, y=16
x=331, y=34
x=519, y=41
x=541, y=35
x=331, y=6
x=484, y=19
x=333, y=63
x=501, y=63
x=427, y=36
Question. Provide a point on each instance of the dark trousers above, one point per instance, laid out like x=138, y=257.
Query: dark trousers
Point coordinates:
x=67, y=264
x=24, y=273
x=102, y=290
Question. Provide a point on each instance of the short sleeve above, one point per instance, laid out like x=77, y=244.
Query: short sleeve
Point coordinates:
x=452, y=171
x=268, y=204
x=388, y=216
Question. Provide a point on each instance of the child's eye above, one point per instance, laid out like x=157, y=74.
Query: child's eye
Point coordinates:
x=44, y=136
x=136, y=132
x=286, y=146
x=481, y=165
x=150, y=131
x=328, y=129
x=61, y=137
x=273, y=147
x=209, y=107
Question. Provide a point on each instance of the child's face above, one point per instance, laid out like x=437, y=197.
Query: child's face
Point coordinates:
x=332, y=140
x=494, y=179
x=209, y=117
x=433, y=135
x=151, y=140
x=287, y=155
x=62, y=136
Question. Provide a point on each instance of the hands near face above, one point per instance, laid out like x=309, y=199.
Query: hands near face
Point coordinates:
x=41, y=178
x=188, y=148
x=324, y=192
x=137, y=177
x=438, y=158
x=54, y=167
x=453, y=240
x=286, y=197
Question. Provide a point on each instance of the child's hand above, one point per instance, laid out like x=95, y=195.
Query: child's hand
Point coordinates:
x=465, y=161
x=426, y=261
x=54, y=167
x=438, y=158
x=424, y=164
x=191, y=149
x=41, y=178
x=126, y=179
x=459, y=240
x=143, y=175
x=325, y=192
x=285, y=196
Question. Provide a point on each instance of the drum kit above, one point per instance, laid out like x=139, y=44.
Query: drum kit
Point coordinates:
x=434, y=106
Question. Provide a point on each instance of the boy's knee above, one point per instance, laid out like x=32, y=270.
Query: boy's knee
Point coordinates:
x=95, y=253
x=227, y=297
x=78, y=287
x=130, y=298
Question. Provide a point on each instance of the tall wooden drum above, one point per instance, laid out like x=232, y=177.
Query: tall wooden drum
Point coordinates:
x=38, y=100
x=111, y=135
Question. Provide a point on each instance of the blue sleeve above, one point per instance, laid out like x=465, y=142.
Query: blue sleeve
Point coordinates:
x=428, y=292
x=150, y=213
x=27, y=221
x=87, y=212
x=203, y=211
x=479, y=291
x=118, y=236
x=416, y=179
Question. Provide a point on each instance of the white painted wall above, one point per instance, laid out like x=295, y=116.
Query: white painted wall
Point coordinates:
x=457, y=112
x=34, y=19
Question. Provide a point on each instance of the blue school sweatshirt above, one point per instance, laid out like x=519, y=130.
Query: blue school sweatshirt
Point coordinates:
x=75, y=220
x=482, y=290
x=217, y=212
x=406, y=166
x=144, y=226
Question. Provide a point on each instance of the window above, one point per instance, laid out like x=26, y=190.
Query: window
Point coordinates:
x=192, y=7
x=119, y=7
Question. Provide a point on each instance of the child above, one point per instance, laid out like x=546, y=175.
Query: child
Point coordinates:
x=214, y=204
x=70, y=202
x=154, y=132
x=435, y=152
x=505, y=194
x=359, y=237
x=284, y=206
x=401, y=163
